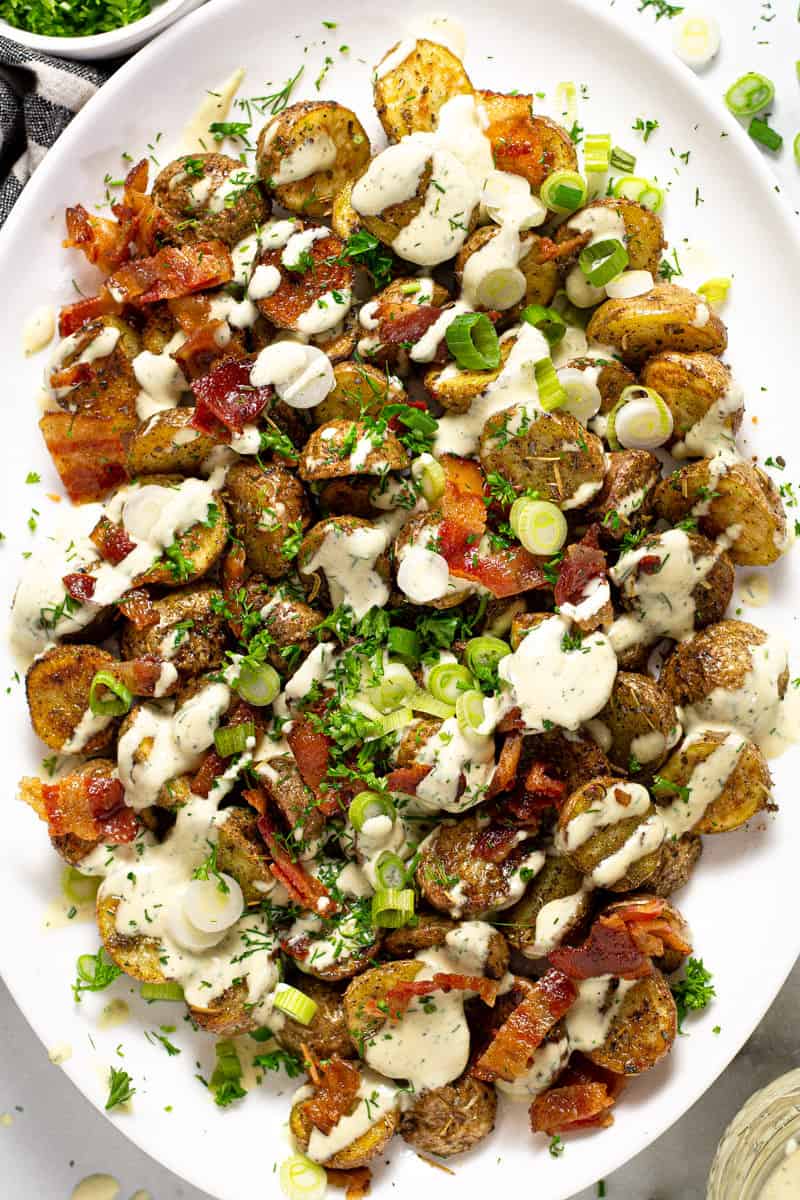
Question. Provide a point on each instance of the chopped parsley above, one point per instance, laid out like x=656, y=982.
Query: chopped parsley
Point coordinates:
x=119, y=1088
x=694, y=992
x=367, y=251
x=72, y=20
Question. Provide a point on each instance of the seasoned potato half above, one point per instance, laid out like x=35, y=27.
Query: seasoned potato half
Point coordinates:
x=209, y=196
x=374, y=984
x=679, y=856
x=189, y=631
x=432, y=929
x=557, y=880
x=541, y=275
x=358, y=1152
x=323, y=275
x=665, y=318
x=290, y=622
x=643, y=1029
x=167, y=443
x=455, y=389
x=455, y=880
x=742, y=496
x=523, y=143
x=711, y=594
x=551, y=453
x=345, y=221
x=451, y=1119
x=745, y=791
x=608, y=839
x=266, y=504
x=309, y=152
x=691, y=385
x=715, y=661
x=242, y=854
x=408, y=94
x=57, y=685
x=326, y=1033
x=388, y=224
x=139, y=957
x=643, y=230
x=105, y=386
x=641, y=723
x=227, y=1015
x=347, y=448
x=311, y=543
x=360, y=390
x=625, y=501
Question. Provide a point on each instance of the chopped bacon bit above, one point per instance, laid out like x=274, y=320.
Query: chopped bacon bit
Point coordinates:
x=226, y=397
x=112, y=541
x=408, y=779
x=74, y=316
x=649, y=564
x=512, y=722
x=335, y=1092
x=101, y=240
x=581, y=564
x=311, y=749
x=303, y=888
x=142, y=675
x=107, y=244
x=400, y=324
x=79, y=586
x=580, y=1100
x=547, y=250
x=72, y=376
x=495, y=843
x=400, y=996
x=653, y=925
x=608, y=950
x=87, y=803
x=505, y=772
x=202, y=352
x=503, y=572
x=463, y=499
x=355, y=1182
x=87, y=452
x=211, y=767
x=172, y=272
x=541, y=784
x=139, y=609
x=509, y=1053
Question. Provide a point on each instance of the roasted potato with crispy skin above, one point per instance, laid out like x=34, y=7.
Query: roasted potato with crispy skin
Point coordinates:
x=139, y=957
x=575, y=759
x=57, y=686
x=541, y=275
x=326, y=1033
x=105, y=387
x=358, y=1152
x=556, y=881
x=643, y=230
x=549, y=452
x=360, y=390
x=643, y=1029
x=297, y=300
x=345, y=221
x=745, y=791
x=335, y=948
x=312, y=543
x=625, y=501
x=606, y=840
x=414, y=737
x=388, y=224
x=292, y=798
x=309, y=152
x=612, y=377
x=290, y=623
x=189, y=632
x=432, y=929
x=413, y=533
x=410, y=93
x=455, y=880
x=691, y=385
x=455, y=388
x=523, y=143
x=242, y=854
x=641, y=723
x=167, y=444
x=227, y=1015
x=678, y=859
x=742, y=496
x=451, y=1119
x=716, y=661
x=209, y=196
x=666, y=318
x=341, y=448
x=374, y=984
x=265, y=504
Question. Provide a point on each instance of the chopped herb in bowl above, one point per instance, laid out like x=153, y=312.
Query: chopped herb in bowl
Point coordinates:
x=72, y=18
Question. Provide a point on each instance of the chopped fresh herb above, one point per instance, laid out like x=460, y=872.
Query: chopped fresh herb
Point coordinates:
x=94, y=973
x=72, y=20
x=119, y=1088
x=291, y=543
x=274, y=1060
x=661, y=8
x=153, y=1035
x=368, y=252
x=33, y=477
x=276, y=440
x=556, y=1146
x=208, y=868
x=694, y=992
x=645, y=126
x=661, y=784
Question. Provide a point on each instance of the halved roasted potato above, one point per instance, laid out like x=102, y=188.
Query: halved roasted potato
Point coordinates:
x=625, y=501
x=640, y=723
x=691, y=385
x=745, y=791
x=549, y=452
x=138, y=956
x=535, y=929
x=455, y=388
x=306, y=298
x=267, y=505
x=643, y=230
x=167, y=443
x=242, y=854
x=341, y=448
x=524, y=143
x=708, y=671
x=190, y=631
x=666, y=318
x=643, y=1029
x=374, y=984
x=451, y=1119
x=603, y=842
x=360, y=390
x=326, y=1034
x=57, y=686
x=408, y=94
x=541, y=274
x=206, y=196
x=357, y=1152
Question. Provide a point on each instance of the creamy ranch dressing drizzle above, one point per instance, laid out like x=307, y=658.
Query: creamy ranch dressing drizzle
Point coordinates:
x=589, y=1019
x=160, y=378
x=348, y=560
x=375, y=1099
x=551, y=921
x=548, y=1061
x=101, y=345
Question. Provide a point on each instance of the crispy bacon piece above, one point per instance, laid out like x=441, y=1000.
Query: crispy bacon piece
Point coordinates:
x=336, y=1085
x=172, y=272
x=212, y=766
x=70, y=377
x=303, y=888
x=408, y=779
x=581, y=1099
x=608, y=950
x=541, y=784
x=101, y=240
x=508, y=1054
x=112, y=541
x=653, y=926
x=400, y=324
x=226, y=399
x=541, y=792
x=87, y=803
x=649, y=564
x=108, y=244
x=355, y=1182
x=548, y=250
x=512, y=722
x=87, y=452
x=400, y=996
x=505, y=773
x=139, y=609
x=73, y=316
x=79, y=586
x=580, y=565
x=141, y=675
x=311, y=750
x=463, y=499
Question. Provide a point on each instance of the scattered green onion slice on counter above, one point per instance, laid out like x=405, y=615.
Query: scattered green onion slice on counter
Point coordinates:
x=696, y=39
x=447, y=681
x=258, y=683
x=403, y=642
x=470, y=713
x=563, y=191
x=484, y=653
x=596, y=152
x=640, y=420
x=394, y=688
x=295, y=1003
x=715, y=291
x=392, y=907
x=566, y=97
x=472, y=340
x=750, y=94
x=539, y=525
x=603, y=261
x=551, y=393
x=764, y=134
x=623, y=160
x=161, y=991
x=396, y=720
x=424, y=702
x=232, y=739
x=549, y=322
x=80, y=889
x=367, y=805
x=390, y=871
x=302, y=1179
x=429, y=474
x=123, y=698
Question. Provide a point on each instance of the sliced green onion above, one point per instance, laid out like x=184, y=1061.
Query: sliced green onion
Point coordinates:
x=603, y=261
x=80, y=889
x=403, y=642
x=408, y=289
x=640, y=420
x=470, y=713
x=394, y=688
x=623, y=160
x=448, y=680
x=564, y=191
x=390, y=870
x=715, y=291
x=392, y=908
x=484, y=653
x=652, y=197
x=549, y=322
x=86, y=967
x=551, y=393
x=233, y=738
x=302, y=1179
x=796, y=147
x=596, y=152
x=583, y=395
x=424, y=702
x=566, y=97
x=750, y=94
x=429, y=474
x=630, y=187
x=295, y=1003
x=258, y=683
x=472, y=340
x=123, y=698
x=501, y=288
x=539, y=525
x=397, y=720
x=696, y=39
x=367, y=805
x=161, y=991
x=764, y=134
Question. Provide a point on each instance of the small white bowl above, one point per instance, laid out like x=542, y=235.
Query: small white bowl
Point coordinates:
x=105, y=45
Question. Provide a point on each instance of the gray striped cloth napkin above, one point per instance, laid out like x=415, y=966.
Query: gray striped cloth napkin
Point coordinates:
x=39, y=96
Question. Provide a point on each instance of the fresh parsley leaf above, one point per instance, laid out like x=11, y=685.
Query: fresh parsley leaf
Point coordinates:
x=694, y=992
x=119, y=1088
